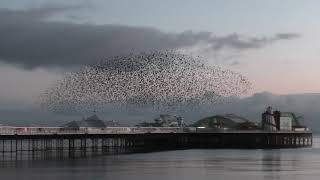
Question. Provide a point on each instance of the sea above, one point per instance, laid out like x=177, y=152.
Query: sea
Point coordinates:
x=192, y=164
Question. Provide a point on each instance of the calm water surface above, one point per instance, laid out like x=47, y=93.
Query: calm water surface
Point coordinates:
x=183, y=164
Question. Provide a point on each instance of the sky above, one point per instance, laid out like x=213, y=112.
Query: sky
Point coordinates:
x=273, y=43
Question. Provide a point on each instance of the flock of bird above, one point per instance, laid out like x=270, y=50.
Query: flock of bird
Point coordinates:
x=157, y=79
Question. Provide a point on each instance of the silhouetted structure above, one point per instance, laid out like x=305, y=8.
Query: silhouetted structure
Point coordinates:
x=165, y=120
x=226, y=122
x=91, y=122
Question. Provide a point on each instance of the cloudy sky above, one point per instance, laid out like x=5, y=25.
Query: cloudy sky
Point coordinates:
x=274, y=43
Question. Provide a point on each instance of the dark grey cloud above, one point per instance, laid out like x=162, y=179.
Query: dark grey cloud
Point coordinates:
x=30, y=38
x=236, y=41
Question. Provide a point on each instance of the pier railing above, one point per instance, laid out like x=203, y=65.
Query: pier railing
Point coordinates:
x=107, y=130
x=121, y=130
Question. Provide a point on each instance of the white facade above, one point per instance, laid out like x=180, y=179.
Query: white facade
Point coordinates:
x=285, y=123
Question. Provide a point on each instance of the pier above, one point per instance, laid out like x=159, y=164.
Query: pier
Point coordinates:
x=15, y=141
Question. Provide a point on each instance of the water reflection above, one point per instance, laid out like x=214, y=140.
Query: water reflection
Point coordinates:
x=271, y=164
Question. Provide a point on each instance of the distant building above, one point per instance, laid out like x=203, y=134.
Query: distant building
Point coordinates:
x=112, y=123
x=165, y=120
x=91, y=122
x=227, y=121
